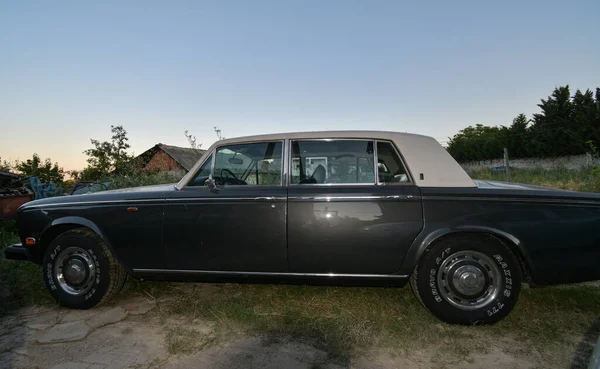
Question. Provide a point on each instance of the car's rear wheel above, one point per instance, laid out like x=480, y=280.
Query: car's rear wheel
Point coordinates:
x=80, y=271
x=468, y=279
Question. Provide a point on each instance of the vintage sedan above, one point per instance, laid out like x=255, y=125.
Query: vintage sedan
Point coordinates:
x=349, y=207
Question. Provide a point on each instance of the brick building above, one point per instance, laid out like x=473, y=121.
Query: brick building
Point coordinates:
x=173, y=159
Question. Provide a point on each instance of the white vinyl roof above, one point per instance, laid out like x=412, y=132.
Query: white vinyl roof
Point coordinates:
x=428, y=162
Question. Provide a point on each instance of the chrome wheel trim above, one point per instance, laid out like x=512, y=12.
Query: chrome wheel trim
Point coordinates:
x=75, y=271
x=469, y=280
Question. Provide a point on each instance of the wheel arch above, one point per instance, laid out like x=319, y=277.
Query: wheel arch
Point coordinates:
x=61, y=225
x=423, y=243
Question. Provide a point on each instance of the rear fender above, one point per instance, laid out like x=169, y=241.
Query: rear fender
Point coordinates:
x=423, y=241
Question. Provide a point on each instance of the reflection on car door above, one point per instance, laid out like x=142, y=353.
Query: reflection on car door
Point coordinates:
x=240, y=227
x=339, y=219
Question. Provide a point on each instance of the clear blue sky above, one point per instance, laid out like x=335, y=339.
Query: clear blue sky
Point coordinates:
x=70, y=69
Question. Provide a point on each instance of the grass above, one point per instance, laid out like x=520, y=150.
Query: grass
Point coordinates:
x=23, y=281
x=185, y=340
x=584, y=180
x=348, y=321
x=547, y=324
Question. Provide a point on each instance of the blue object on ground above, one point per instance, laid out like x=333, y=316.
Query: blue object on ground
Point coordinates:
x=43, y=190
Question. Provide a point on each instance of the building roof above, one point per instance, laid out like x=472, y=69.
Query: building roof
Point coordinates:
x=184, y=156
x=430, y=164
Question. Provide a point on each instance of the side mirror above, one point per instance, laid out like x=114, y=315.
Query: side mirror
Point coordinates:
x=212, y=185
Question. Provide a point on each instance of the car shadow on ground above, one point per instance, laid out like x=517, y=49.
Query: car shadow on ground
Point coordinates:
x=585, y=347
x=13, y=345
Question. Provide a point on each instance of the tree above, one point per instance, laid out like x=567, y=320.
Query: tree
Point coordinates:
x=106, y=157
x=554, y=130
x=519, y=138
x=45, y=170
x=566, y=125
x=477, y=143
x=5, y=165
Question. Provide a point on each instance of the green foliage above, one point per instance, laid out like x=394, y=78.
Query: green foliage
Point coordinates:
x=107, y=157
x=141, y=177
x=478, y=143
x=111, y=161
x=564, y=126
x=44, y=170
x=23, y=280
x=5, y=166
x=584, y=180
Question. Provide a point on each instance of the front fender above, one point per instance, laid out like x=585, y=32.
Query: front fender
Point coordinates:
x=77, y=221
x=60, y=225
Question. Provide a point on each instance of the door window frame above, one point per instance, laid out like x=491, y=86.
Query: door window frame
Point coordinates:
x=410, y=181
x=289, y=157
x=288, y=165
x=213, y=156
x=286, y=172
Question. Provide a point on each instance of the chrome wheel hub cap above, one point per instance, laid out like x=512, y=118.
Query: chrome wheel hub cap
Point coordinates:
x=468, y=279
x=74, y=269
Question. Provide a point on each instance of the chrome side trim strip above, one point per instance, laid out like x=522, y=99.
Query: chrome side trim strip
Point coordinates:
x=227, y=199
x=269, y=274
x=105, y=202
x=351, y=198
x=557, y=201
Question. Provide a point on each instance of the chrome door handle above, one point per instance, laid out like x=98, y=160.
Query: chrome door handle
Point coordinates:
x=399, y=197
x=265, y=198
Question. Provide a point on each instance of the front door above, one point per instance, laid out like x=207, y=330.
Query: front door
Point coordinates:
x=238, y=226
x=342, y=218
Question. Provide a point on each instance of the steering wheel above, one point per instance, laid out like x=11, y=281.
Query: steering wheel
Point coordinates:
x=229, y=173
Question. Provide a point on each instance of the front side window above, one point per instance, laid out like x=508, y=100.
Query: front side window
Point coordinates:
x=390, y=167
x=202, y=174
x=332, y=162
x=257, y=164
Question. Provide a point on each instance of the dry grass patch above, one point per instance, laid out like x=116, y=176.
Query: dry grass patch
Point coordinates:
x=346, y=322
x=181, y=339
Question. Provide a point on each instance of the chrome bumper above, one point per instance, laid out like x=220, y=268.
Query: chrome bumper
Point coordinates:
x=17, y=252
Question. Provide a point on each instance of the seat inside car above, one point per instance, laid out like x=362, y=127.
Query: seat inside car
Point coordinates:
x=319, y=174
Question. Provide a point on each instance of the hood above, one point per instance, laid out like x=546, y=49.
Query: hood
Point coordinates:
x=134, y=193
x=152, y=188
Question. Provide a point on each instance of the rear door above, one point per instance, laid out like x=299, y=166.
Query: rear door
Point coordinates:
x=348, y=212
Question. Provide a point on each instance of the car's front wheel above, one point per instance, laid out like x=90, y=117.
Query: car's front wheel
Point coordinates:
x=80, y=271
x=468, y=279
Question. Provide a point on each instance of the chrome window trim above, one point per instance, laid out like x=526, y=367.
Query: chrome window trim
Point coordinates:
x=375, y=162
x=402, y=161
x=328, y=184
x=214, y=159
x=286, y=162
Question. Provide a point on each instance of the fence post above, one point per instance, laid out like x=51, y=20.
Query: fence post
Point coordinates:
x=506, y=166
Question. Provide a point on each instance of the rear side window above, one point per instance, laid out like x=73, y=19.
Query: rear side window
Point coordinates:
x=332, y=162
x=390, y=167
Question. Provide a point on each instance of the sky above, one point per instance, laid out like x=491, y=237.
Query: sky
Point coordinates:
x=71, y=69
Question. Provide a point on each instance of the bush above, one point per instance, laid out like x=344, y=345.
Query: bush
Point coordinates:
x=141, y=178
